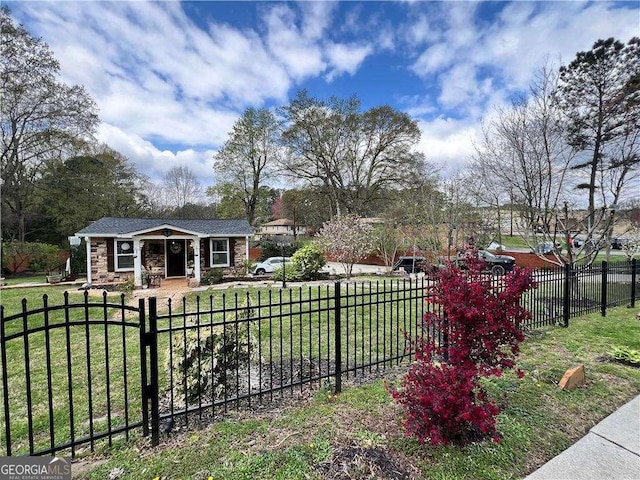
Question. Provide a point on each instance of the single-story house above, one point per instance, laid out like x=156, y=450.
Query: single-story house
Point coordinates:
x=119, y=249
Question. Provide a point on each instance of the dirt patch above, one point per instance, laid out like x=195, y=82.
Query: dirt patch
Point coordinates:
x=355, y=462
x=81, y=468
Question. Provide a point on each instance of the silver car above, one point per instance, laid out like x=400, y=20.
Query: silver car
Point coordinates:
x=270, y=265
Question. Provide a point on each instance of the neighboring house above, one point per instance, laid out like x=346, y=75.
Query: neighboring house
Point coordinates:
x=281, y=228
x=118, y=249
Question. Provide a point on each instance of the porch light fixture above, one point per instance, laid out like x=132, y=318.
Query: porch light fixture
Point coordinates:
x=167, y=232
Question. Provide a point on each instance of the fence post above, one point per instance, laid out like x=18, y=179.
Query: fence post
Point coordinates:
x=603, y=289
x=152, y=386
x=634, y=272
x=143, y=366
x=338, y=335
x=566, y=311
x=5, y=383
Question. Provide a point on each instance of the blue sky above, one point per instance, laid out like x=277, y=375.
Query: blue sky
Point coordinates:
x=171, y=78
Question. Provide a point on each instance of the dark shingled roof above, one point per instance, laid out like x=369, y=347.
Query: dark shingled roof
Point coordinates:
x=123, y=226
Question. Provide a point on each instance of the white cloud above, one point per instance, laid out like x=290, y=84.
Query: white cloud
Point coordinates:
x=345, y=58
x=295, y=47
x=434, y=58
x=510, y=50
x=153, y=162
x=448, y=143
x=422, y=31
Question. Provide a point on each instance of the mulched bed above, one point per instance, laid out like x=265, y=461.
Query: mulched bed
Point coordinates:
x=284, y=393
x=355, y=462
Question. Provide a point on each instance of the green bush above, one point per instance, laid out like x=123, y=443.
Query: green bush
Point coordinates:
x=212, y=277
x=243, y=269
x=292, y=274
x=205, y=363
x=308, y=261
x=127, y=286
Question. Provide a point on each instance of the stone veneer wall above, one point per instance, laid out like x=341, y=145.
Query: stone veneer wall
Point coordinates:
x=154, y=261
x=240, y=251
x=99, y=271
x=240, y=255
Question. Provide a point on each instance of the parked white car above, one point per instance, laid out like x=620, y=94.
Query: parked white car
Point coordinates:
x=270, y=265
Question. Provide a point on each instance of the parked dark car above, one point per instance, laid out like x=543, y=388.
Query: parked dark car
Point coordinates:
x=410, y=264
x=496, y=264
x=617, y=243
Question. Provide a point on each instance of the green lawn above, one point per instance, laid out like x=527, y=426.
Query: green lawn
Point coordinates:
x=93, y=350
x=513, y=241
x=301, y=328
x=302, y=439
x=360, y=430
x=16, y=280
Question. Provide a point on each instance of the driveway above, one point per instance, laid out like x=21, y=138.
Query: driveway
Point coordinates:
x=337, y=268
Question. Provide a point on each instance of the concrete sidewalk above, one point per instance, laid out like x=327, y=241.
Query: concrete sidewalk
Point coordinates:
x=611, y=451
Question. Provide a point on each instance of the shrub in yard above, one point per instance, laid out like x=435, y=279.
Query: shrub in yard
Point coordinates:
x=205, y=361
x=443, y=400
x=211, y=277
x=39, y=257
x=309, y=260
x=443, y=403
x=291, y=272
x=272, y=249
x=626, y=355
x=127, y=286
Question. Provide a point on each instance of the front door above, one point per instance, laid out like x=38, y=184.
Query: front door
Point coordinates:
x=176, y=258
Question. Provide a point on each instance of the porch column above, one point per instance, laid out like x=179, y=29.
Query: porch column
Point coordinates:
x=137, y=262
x=246, y=258
x=87, y=241
x=196, y=259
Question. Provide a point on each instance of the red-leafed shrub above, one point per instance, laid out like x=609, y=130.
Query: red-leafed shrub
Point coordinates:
x=480, y=319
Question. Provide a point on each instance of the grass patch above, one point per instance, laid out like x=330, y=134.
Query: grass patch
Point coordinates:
x=72, y=367
x=513, y=241
x=302, y=439
x=17, y=280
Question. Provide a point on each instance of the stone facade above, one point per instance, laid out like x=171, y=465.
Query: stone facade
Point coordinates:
x=154, y=259
x=240, y=251
x=239, y=256
x=99, y=270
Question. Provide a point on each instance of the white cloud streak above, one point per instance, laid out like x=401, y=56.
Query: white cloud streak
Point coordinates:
x=170, y=86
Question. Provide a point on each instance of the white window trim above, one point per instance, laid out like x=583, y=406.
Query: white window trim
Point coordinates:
x=116, y=255
x=211, y=252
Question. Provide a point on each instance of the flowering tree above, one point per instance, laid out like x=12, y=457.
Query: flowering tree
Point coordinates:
x=346, y=239
x=631, y=247
x=443, y=399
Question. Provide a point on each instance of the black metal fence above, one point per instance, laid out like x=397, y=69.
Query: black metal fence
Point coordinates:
x=75, y=374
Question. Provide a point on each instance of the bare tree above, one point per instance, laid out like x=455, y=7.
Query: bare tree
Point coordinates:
x=356, y=156
x=182, y=186
x=523, y=150
x=247, y=159
x=40, y=117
